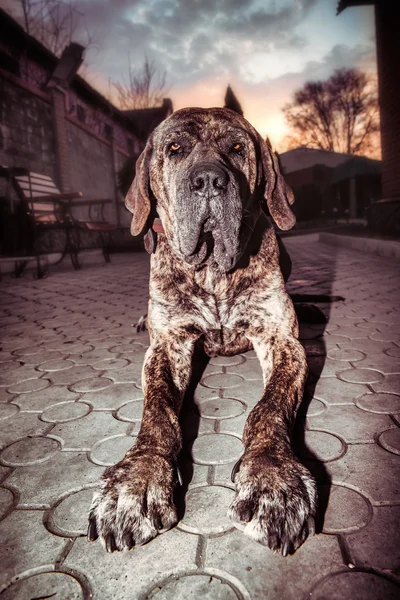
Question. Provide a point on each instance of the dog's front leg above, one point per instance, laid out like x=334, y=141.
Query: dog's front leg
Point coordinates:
x=276, y=495
x=135, y=500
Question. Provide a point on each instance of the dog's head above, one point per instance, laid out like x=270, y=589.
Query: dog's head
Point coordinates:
x=208, y=173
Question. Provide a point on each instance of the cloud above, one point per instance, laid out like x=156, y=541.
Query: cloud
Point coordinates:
x=192, y=39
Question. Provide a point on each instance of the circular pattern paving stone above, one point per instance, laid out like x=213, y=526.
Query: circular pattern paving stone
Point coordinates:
x=29, y=451
x=94, y=384
x=347, y=510
x=206, y=509
x=70, y=516
x=216, y=449
x=347, y=354
x=361, y=376
x=110, y=363
x=381, y=403
x=7, y=410
x=136, y=355
x=314, y=408
x=131, y=411
x=201, y=586
x=56, y=365
x=227, y=361
x=27, y=351
x=395, y=352
x=388, y=335
x=390, y=440
x=221, y=408
x=356, y=584
x=28, y=386
x=66, y=411
x=70, y=347
x=222, y=380
x=6, y=501
x=321, y=445
x=8, y=365
x=59, y=586
x=109, y=451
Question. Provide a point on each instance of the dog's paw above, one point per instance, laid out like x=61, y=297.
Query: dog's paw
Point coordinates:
x=275, y=501
x=141, y=325
x=134, y=502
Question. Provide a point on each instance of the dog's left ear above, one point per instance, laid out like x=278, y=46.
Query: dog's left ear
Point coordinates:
x=137, y=200
x=278, y=193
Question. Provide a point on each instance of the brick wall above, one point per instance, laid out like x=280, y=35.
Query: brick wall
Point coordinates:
x=26, y=130
x=90, y=161
x=387, y=15
x=28, y=138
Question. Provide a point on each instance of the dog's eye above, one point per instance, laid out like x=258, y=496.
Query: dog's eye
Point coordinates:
x=237, y=148
x=174, y=147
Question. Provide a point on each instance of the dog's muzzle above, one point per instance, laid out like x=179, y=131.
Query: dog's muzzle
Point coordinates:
x=209, y=217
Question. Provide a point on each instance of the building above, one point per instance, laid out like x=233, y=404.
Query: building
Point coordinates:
x=53, y=122
x=330, y=184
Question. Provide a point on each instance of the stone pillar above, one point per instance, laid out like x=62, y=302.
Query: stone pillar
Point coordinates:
x=353, y=198
x=65, y=71
x=387, y=21
x=61, y=138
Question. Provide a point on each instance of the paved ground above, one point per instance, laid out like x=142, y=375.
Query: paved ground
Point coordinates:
x=71, y=403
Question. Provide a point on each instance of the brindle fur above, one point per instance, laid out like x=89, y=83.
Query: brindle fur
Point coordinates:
x=232, y=295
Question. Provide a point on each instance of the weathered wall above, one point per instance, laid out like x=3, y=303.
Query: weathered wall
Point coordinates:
x=26, y=130
x=28, y=139
x=91, y=171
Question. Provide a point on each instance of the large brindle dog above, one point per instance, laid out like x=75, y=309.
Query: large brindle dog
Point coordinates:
x=215, y=275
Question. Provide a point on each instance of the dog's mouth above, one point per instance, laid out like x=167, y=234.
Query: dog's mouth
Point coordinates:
x=214, y=247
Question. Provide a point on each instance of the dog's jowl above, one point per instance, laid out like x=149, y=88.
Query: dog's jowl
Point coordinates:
x=212, y=188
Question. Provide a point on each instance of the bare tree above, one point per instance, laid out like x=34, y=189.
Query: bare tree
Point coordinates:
x=232, y=102
x=339, y=114
x=54, y=23
x=145, y=87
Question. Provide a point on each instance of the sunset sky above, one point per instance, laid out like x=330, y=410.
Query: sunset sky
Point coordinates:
x=265, y=49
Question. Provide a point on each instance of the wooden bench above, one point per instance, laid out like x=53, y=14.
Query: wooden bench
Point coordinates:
x=47, y=209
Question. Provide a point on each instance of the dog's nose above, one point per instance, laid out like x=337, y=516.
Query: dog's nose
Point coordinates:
x=208, y=178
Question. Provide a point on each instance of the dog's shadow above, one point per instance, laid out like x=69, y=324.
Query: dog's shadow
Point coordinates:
x=316, y=355
x=190, y=422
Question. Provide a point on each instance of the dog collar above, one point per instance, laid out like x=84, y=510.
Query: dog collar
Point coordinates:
x=157, y=225
x=150, y=238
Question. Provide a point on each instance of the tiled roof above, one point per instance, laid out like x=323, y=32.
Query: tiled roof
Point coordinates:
x=305, y=158
x=147, y=119
x=358, y=165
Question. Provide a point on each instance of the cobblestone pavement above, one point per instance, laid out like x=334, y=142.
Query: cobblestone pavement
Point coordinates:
x=71, y=404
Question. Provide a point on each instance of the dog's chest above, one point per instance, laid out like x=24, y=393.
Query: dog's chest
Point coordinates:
x=211, y=282
x=217, y=296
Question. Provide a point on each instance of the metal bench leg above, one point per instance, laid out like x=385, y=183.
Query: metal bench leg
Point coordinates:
x=66, y=248
x=105, y=243
x=19, y=267
x=74, y=244
x=40, y=273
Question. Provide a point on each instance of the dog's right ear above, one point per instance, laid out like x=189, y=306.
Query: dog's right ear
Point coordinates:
x=137, y=200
